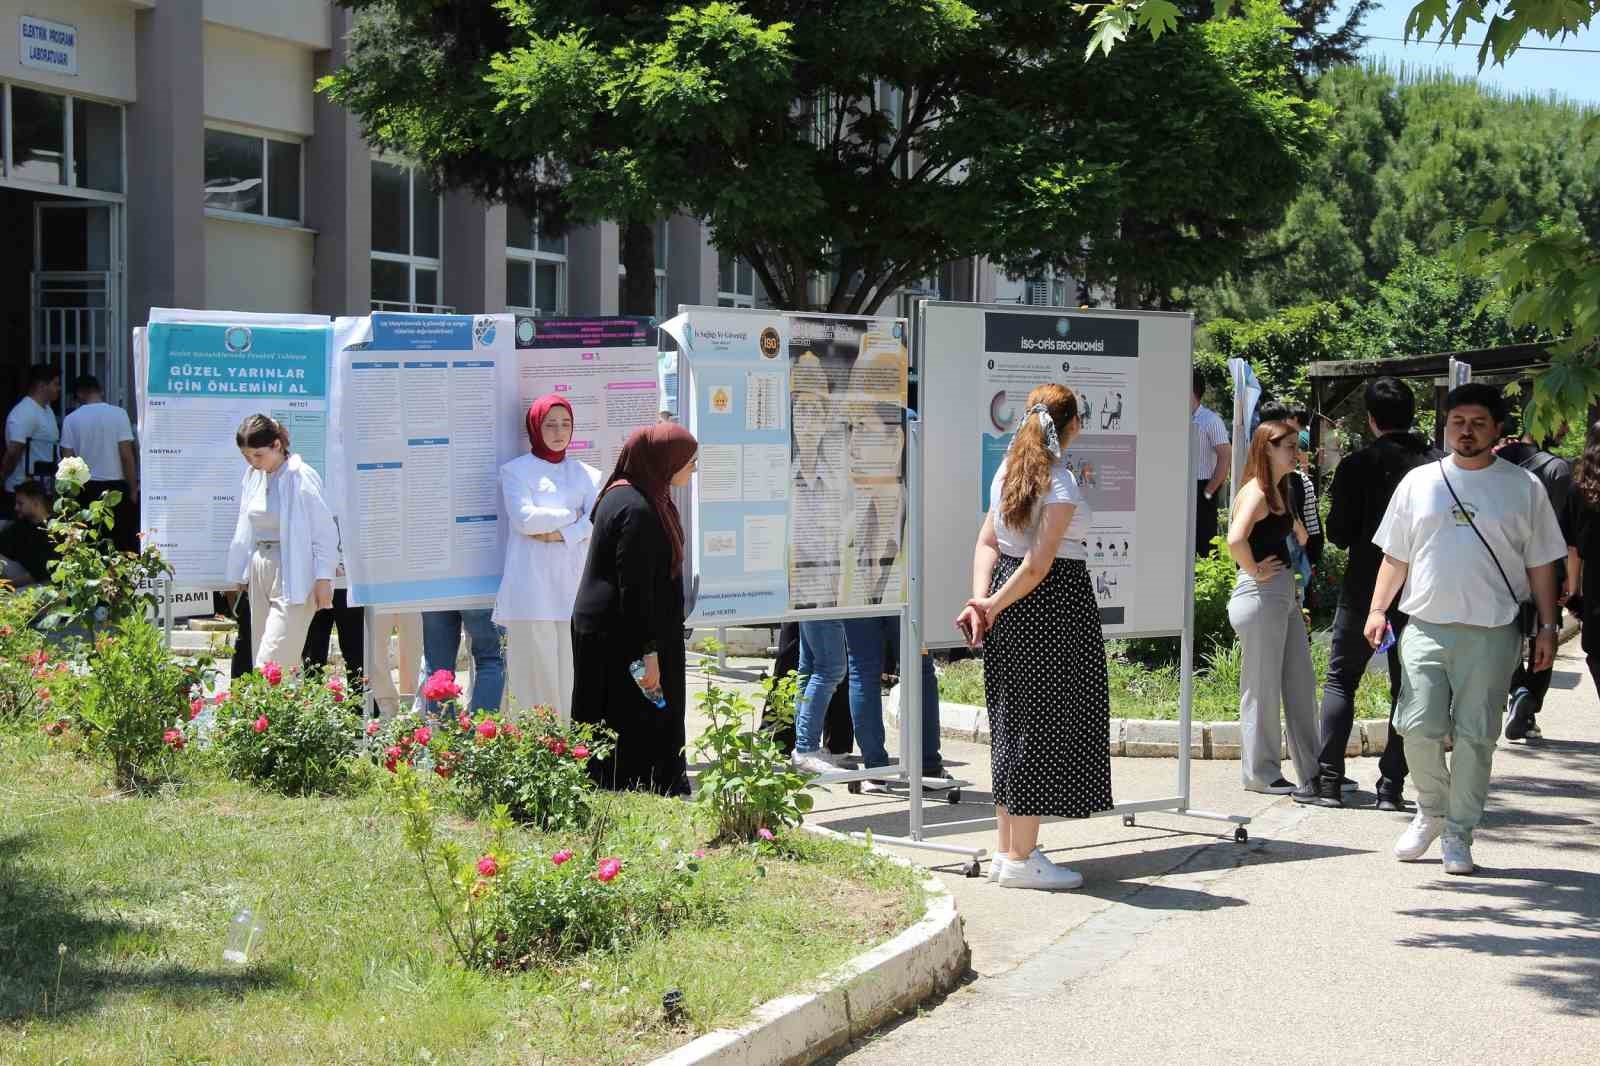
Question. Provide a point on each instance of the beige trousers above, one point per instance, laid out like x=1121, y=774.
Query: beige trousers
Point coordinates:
x=539, y=666
x=408, y=650
x=277, y=627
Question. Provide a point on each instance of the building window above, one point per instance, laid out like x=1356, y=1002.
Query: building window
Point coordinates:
x=407, y=235
x=536, y=266
x=736, y=282
x=52, y=139
x=247, y=174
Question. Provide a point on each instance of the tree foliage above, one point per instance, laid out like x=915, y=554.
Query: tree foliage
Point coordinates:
x=862, y=143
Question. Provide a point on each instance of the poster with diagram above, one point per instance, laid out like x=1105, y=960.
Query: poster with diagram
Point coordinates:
x=1097, y=358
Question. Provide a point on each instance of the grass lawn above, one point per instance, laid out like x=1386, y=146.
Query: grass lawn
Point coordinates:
x=1143, y=692
x=137, y=892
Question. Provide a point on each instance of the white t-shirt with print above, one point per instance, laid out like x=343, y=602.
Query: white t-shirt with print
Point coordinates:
x=1208, y=430
x=34, y=426
x=1063, y=489
x=1451, y=577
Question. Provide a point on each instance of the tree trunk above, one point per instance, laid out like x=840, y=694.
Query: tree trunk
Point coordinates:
x=639, y=269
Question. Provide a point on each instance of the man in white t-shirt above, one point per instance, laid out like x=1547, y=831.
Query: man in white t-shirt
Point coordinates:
x=1471, y=537
x=31, y=432
x=102, y=435
x=1212, y=452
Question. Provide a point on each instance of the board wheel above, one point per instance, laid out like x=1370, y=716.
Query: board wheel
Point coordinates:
x=1240, y=835
x=971, y=869
x=853, y=787
x=953, y=796
x=1127, y=820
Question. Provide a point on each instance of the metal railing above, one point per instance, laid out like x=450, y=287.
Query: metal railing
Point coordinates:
x=75, y=328
x=409, y=308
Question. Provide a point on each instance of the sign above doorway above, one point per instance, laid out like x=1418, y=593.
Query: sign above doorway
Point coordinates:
x=46, y=45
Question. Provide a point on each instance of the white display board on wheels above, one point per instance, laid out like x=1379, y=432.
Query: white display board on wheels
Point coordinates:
x=1130, y=371
x=198, y=375
x=429, y=408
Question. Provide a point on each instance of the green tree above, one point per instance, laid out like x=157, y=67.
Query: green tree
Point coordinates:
x=843, y=151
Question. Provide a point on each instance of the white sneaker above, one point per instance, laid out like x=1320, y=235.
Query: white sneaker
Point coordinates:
x=1001, y=858
x=1457, y=855
x=1038, y=872
x=815, y=762
x=1418, y=837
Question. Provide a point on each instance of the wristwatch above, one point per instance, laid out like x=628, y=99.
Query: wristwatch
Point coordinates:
x=1549, y=627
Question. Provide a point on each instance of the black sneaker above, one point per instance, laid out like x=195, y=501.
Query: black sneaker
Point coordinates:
x=1316, y=793
x=1390, y=798
x=1348, y=784
x=1521, y=715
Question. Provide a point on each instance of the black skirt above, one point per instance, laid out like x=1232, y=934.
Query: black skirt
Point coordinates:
x=1044, y=678
x=649, y=754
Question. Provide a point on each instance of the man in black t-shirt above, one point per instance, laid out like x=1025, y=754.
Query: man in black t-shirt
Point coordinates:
x=25, y=542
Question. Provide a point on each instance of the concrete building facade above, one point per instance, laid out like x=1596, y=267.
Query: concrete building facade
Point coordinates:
x=174, y=153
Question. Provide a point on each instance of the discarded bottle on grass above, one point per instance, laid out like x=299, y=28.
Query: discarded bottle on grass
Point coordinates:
x=654, y=695
x=244, y=934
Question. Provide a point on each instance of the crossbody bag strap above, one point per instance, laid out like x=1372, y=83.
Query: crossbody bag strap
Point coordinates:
x=1492, y=556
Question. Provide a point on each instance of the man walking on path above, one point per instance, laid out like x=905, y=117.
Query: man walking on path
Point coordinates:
x=1528, y=689
x=1471, y=538
x=1213, y=458
x=1362, y=486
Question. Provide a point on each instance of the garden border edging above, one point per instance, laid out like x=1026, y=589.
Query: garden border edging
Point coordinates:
x=924, y=960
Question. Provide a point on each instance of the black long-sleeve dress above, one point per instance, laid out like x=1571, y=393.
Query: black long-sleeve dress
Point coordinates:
x=629, y=603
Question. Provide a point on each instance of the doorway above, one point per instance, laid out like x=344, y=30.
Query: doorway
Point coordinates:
x=75, y=293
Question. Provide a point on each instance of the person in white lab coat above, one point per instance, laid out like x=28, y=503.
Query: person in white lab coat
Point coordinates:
x=285, y=545
x=549, y=499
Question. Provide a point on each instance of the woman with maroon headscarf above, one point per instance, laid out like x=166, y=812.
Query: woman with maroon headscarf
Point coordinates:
x=550, y=498
x=630, y=609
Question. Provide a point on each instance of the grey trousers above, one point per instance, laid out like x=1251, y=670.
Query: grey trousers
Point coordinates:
x=1275, y=671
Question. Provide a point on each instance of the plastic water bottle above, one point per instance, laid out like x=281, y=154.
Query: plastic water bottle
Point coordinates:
x=654, y=695
x=244, y=933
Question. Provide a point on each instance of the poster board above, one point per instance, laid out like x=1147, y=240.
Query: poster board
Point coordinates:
x=1131, y=372
x=198, y=375
x=800, y=505
x=431, y=406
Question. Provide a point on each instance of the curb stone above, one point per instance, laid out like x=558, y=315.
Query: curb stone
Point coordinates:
x=928, y=958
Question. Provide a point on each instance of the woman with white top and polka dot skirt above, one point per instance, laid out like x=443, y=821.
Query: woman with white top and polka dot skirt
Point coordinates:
x=1044, y=665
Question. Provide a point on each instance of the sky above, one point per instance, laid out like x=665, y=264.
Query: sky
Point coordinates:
x=1569, y=73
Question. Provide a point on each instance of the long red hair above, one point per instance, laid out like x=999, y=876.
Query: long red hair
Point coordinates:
x=1258, y=464
x=1029, y=461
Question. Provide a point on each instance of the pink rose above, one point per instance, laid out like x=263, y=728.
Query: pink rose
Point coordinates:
x=440, y=686
x=487, y=730
x=261, y=724
x=764, y=833
x=487, y=867
x=580, y=752
x=220, y=698
x=374, y=728
x=173, y=739
x=272, y=672
x=335, y=684
x=37, y=658
x=561, y=856
x=608, y=869
x=422, y=735
x=558, y=747
x=699, y=853
x=510, y=729
x=195, y=707
x=464, y=722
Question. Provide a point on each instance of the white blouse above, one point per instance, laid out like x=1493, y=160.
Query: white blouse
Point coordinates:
x=540, y=581
x=1063, y=489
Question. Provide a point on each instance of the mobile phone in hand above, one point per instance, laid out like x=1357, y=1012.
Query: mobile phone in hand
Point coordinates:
x=1388, y=639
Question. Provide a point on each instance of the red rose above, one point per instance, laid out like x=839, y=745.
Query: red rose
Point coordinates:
x=272, y=672
x=173, y=739
x=487, y=730
x=444, y=770
x=441, y=686
x=608, y=869
x=422, y=735
x=580, y=752
x=394, y=751
x=335, y=684
x=558, y=747
x=464, y=722
x=261, y=724
x=510, y=729
x=195, y=707
x=487, y=867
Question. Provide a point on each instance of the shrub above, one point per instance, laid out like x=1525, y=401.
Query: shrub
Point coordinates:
x=93, y=586
x=130, y=697
x=294, y=733
x=24, y=660
x=1214, y=577
x=749, y=784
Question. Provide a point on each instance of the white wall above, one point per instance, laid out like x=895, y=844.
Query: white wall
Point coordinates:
x=251, y=266
x=305, y=22
x=105, y=45
x=258, y=81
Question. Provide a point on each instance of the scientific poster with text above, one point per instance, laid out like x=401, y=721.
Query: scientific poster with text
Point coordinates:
x=1096, y=357
x=606, y=368
x=423, y=404
x=198, y=381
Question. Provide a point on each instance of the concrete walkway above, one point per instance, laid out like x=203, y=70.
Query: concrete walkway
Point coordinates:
x=1309, y=942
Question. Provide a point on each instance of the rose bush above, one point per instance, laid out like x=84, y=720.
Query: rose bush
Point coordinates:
x=298, y=734
x=749, y=784
x=21, y=649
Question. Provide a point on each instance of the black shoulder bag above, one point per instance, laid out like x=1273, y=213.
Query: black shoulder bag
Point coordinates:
x=1527, y=610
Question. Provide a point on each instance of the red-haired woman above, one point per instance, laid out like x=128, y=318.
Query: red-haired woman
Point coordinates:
x=1044, y=661
x=629, y=610
x=1275, y=669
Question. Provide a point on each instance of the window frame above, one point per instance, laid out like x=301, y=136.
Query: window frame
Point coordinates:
x=735, y=297
x=263, y=219
x=533, y=257
x=410, y=260
x=8, y=176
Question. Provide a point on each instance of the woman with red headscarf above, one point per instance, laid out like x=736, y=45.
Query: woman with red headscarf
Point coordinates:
x=550, y=498
x=630, y=609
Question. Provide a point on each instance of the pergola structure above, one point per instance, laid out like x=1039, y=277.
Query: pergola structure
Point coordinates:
x=1334, y=381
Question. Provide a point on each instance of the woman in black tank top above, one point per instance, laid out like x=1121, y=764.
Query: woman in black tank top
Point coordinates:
x=1275, y=663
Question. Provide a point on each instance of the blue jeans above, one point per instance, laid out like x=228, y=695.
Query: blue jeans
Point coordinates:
x=866, y=638
x=825, y=658
x=441, y=638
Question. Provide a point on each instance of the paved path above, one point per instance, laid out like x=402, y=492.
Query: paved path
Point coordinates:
x=1309, y=943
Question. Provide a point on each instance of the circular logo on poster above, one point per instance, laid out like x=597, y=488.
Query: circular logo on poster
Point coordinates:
x=1063, y=327
x=483, y=331
x=236, y=339
x=771, y=343
x=526, y=330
